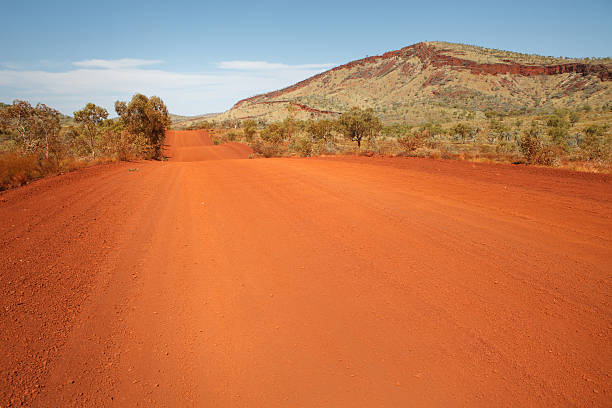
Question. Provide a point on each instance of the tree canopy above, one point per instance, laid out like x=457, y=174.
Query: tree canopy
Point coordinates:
x=91, y=118
x=36, y=128
x=147, y=117
x=357, y=124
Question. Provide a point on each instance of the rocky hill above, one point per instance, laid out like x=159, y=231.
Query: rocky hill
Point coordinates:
x=438, y=81
x=181, y=122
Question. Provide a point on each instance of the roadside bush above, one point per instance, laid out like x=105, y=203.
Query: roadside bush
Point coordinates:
x=273, y=133
x=249, y=129
x=536, y=152
x=267, y=148
x=595, y=145
x=549, y=156
x=410, y=143
x=304, y=146
x=530, y=145
x=124, y=146
x=232, y=136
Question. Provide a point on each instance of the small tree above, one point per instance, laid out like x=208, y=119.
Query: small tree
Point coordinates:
x=47, y=126
x=273, y=133
x=497, y=129
x=320, y=129
x=304, y=146
x=147, y=117
x=18, y=118
x=271, y=139
x=463, y=130
x=289, y=122
x=431, y=129
x=249, y=129
x=358, y=124
x=37, y=128
x=90, y=118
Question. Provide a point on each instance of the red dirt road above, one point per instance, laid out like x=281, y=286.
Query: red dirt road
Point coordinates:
x=197, y=145
x=306, y=282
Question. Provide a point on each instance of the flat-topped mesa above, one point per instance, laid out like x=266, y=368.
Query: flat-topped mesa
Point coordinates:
x=439, y=55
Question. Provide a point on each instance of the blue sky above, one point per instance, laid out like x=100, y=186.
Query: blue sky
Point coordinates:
x=202, y=56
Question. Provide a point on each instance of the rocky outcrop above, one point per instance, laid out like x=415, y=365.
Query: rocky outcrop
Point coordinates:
x=431, y=55
x=438, y=57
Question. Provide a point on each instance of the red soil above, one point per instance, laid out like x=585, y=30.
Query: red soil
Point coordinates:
x=197, y=145
x=306, y=282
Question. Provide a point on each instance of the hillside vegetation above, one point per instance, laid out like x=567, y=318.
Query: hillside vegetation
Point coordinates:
x=437, y=100
x=438, y=81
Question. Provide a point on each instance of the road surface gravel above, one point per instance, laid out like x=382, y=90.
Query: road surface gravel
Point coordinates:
x=319, y=282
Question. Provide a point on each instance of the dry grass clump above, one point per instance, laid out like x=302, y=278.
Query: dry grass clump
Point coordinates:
x=17, y=169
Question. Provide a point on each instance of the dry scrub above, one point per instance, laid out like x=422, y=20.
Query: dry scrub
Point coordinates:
x=580, y=139
x=36, y=141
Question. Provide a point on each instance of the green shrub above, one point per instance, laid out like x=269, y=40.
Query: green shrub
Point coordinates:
x=232, y=136
x=304, y=146
x=249, y=129
x=596, y=145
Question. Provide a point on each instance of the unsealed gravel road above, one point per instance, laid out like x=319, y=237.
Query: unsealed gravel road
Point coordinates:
x=306, y=283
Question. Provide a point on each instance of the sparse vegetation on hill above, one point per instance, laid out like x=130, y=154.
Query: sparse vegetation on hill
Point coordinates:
x=438, y=81
x=34, y=142
x=444, y=100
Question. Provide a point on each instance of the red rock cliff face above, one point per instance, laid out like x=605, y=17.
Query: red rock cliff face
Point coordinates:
x=437, y=58
x=429, y=55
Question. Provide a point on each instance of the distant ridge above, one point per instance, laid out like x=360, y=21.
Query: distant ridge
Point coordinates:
x=411, y=82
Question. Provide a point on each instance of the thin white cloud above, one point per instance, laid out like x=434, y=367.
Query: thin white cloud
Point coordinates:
x=267, y=66
x=10, y=65
x=116, y=64
x=184, y=93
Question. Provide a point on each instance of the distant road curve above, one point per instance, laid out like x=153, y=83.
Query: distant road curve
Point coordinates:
x=197, y=145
